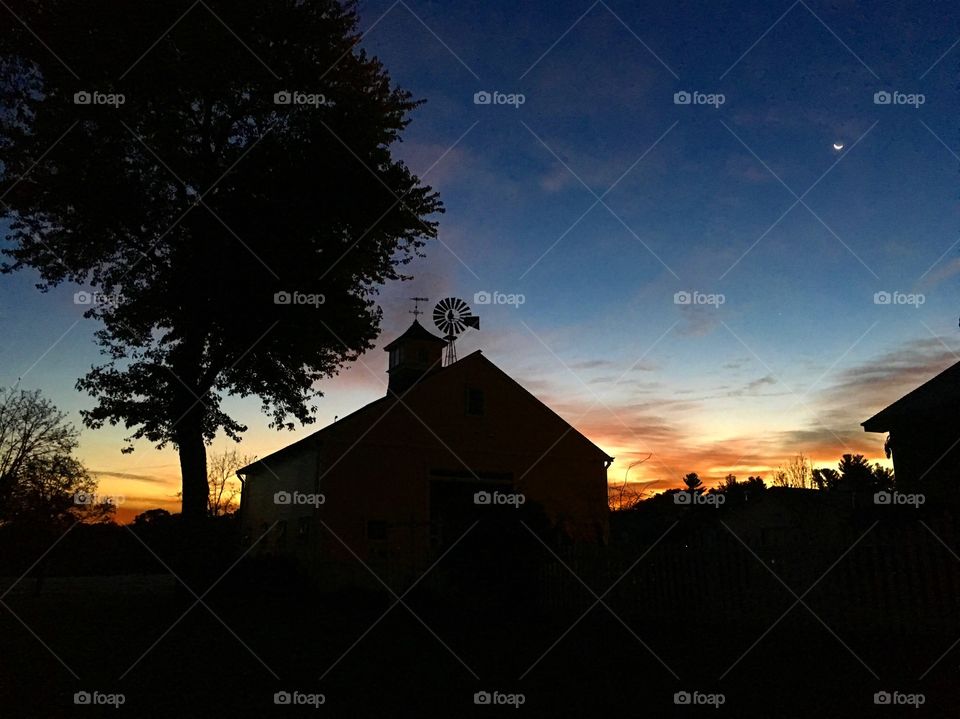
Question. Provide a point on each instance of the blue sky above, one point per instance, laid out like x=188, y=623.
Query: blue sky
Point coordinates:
x=599, y=198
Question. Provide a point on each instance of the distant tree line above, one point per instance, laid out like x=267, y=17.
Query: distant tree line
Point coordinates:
x=854, y=473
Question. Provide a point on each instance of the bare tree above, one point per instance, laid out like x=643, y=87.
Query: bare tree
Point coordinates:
x=798, y=473
x=41, y=483
x=625, y=496
x=224, y=486
x=31, y=429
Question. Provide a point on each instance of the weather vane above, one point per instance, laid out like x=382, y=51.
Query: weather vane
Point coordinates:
x=416, y=311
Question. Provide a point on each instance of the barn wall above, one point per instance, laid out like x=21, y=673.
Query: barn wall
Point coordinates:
x=294, y=472
x=386, y=477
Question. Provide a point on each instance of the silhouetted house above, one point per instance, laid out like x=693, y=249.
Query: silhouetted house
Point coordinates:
x=400, y=477
x=924, y=429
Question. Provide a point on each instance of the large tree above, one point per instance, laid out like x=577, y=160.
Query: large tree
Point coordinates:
x=190, y=161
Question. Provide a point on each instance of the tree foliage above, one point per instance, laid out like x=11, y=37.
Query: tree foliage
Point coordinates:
x=692, y=481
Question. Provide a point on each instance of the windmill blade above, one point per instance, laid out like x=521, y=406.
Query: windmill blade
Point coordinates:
x=452, y=316
x=440, y=315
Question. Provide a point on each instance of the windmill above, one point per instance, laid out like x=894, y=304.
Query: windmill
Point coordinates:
x=452, y=316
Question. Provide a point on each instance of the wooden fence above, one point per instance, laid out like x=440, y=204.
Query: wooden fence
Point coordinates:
x=902, y=580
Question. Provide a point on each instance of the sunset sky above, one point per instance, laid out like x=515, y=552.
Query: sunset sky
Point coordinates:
x=599, y=198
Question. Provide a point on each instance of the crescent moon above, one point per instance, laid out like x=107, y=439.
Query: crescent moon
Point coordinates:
x=838, y=146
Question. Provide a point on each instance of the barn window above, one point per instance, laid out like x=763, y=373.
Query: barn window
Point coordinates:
x=475, y=401
x=377, y=530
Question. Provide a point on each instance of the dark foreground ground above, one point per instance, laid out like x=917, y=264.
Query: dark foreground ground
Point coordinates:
x=130, y=635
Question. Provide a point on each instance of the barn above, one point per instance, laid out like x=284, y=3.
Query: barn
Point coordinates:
x=401, y=479
x=923, y=430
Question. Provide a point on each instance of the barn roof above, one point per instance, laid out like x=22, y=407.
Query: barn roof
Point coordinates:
x=379, y=406
x=931, y=398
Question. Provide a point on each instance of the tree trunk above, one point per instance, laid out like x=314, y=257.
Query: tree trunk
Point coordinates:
x=186, y=364
x=190, y=564
x=193, y=468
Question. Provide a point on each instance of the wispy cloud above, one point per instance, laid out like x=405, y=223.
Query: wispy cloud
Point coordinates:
x=686, y=434
x=106, y=473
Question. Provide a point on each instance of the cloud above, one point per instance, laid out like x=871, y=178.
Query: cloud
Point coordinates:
x=944, y=272
x=101, y=473
x=860, y=391
x=437, y=164
x=557, y=178
x=698, y=320
x=876, y=383
x=750, y=388
x=745, y=167
x=602, y=380
x=592, y=364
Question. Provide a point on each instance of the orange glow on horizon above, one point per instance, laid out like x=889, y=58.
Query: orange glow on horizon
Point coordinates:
x=150, y=478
